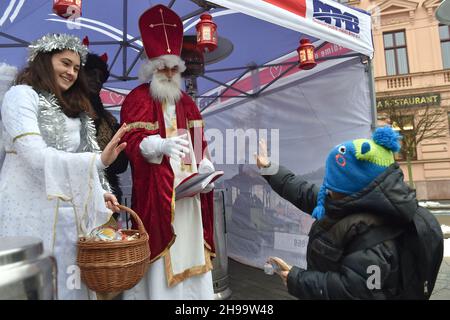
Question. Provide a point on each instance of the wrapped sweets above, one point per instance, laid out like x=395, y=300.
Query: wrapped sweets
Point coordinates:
x=105, y=233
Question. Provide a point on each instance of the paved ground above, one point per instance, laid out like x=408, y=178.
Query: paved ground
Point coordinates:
x=442, y=287
x=248, y=283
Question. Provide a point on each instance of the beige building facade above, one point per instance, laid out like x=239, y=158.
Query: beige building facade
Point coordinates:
x=412, y=72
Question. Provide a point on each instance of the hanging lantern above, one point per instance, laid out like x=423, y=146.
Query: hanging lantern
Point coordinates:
x=67, y=8
x=306, y=55
x=206, y=33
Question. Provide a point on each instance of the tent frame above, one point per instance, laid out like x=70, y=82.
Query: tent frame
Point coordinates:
x=203, y=5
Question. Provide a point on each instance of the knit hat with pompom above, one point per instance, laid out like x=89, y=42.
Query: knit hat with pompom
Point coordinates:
x=353, y=165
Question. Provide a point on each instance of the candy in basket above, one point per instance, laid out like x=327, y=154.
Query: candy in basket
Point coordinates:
x=114, y=260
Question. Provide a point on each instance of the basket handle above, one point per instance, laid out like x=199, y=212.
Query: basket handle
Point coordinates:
x=136, y=218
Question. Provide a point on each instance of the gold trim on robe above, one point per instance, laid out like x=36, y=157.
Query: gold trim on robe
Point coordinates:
x=26, y=134
x=174, y=279
x=196, y=124
x=143, y=125
x=172, y=215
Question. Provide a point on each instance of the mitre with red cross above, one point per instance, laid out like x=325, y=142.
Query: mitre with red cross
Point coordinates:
x=161, y=31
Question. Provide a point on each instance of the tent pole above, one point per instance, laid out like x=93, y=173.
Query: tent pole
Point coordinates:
x=373, y=106
x=193, y=14
x=124, y=38
x=135, y=61
x=23, y=42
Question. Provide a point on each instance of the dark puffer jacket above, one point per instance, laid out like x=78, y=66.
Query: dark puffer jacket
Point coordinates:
x=331, y=272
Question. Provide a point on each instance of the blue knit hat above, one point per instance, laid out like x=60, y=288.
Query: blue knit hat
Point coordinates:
x=352, y=165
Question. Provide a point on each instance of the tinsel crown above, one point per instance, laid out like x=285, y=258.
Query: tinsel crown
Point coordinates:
x=51, y=42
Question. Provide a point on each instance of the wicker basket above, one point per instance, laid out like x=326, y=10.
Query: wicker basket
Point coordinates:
x=114, y=266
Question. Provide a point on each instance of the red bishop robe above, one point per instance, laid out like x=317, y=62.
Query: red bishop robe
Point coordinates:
x=152, y=191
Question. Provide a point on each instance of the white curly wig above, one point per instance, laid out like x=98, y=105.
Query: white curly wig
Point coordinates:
x=148, y=67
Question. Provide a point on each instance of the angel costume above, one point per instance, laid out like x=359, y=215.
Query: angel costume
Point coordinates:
x=50, y=184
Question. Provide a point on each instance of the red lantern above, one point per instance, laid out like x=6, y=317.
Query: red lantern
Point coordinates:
x=67, y=8
x=206, y=33
x=306, y=55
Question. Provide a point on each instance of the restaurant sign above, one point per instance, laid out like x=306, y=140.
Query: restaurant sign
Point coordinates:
x=419, y=100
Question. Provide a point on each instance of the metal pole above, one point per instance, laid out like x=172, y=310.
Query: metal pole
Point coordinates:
x=373, y=105
x=171, y=3
x=14, y=38
x=135, y=61
x=275, y=79
x=124, y=38
x=193, y=14
x=116, y=56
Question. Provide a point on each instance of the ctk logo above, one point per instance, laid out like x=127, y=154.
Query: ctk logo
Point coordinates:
x=326, y=13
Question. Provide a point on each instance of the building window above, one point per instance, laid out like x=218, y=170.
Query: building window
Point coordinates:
x=405, y=126
x=395, y=53
x=444, y=35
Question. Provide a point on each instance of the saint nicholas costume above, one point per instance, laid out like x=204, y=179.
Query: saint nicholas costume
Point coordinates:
x=181, y=232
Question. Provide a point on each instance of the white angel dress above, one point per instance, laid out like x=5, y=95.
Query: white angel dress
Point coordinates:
x=7, y=75
x=49, y=183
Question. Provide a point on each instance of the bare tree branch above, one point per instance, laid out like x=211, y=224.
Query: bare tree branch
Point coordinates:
x=416, y=124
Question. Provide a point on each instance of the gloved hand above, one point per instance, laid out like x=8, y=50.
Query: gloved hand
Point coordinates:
x=206, y=166
x=174, y=147
x=153, y=147
x=208, y=188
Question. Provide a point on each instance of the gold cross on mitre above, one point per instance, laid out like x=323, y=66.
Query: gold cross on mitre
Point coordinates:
x=152, y=25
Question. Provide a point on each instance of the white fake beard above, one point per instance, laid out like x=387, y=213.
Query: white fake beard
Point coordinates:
x=163, y=89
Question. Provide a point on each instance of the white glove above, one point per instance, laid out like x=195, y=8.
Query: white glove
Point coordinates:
x=148, y=148
x=153, y=147
x=175, y=147
x=208, y=188
x=206, y=166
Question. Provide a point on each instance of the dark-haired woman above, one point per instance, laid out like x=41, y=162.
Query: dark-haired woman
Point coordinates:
x=51, y=182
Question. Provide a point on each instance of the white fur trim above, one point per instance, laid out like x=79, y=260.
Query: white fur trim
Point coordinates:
x=148, y=67
x=145, y=72
x=7, y=75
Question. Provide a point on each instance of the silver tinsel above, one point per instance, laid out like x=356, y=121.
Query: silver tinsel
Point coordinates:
x=51, y=122
x=52, y=126
x=51, y=42
x=89, y=144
